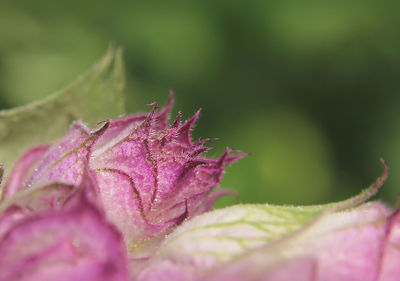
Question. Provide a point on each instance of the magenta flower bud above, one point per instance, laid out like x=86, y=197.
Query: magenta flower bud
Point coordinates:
x=148, y=175
x=74, y=242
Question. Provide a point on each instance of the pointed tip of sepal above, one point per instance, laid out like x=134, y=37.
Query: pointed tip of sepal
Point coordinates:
x=226, y=158
x=185, y=130
x=164, y=114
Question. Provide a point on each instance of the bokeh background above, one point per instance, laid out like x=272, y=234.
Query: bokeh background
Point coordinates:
x=310, y=88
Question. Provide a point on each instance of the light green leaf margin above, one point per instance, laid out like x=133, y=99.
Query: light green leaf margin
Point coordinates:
x=93, y=97
x=224, y=234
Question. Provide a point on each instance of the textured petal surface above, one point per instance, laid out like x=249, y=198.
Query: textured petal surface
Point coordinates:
x=22, y=169
x=348, y=245
x=150, y=181
x=70, y=244
x=212, y=239
x=27, y=203
x=158, y=175
x=277, y=243
x=239, y=234
x=147, y=176
x=64, y=162
x=390, y=266
x=10, y=217
x=47, y=197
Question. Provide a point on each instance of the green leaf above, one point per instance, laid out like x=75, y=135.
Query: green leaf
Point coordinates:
x=93, y=97
x=224, y=234
x=348, y=243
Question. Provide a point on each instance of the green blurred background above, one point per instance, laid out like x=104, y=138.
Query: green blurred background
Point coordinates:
x=310, y=88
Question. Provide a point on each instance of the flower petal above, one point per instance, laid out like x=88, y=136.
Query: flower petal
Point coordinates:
x=344, y=246
x=71, y=244
x=216, y=237
x=254, y=242
x=158, y=176
x=147, y=176
x=390, y=264
x=22, y=169
x=65, y=161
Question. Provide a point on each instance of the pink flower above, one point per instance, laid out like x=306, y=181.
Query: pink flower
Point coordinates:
x=98, y=205
x=148, y=176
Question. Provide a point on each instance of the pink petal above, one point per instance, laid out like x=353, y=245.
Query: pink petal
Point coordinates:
x=26, y=203
x=166, y=270
x=146, y=175
x=21, y=170
x=390, y=263
x=50, y=196
x=345, y=246
x=72, y=244
x=11, y=217
x=159, y=177
x=299, y=269
x=65, y=161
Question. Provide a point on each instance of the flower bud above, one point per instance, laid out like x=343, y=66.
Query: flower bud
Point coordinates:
x=148, y=175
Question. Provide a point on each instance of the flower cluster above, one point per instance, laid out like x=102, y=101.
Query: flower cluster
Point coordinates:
x=81, y=207
x=129, y=200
